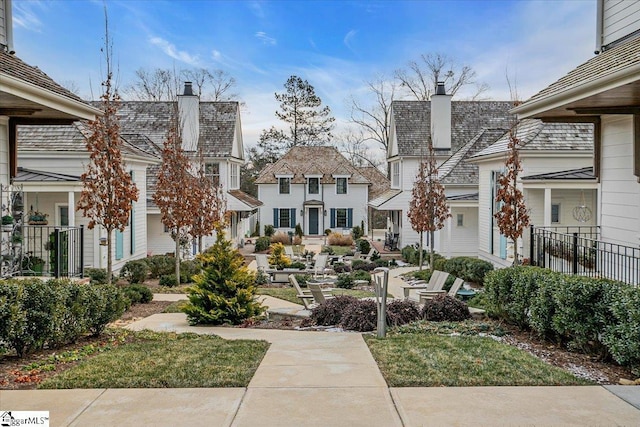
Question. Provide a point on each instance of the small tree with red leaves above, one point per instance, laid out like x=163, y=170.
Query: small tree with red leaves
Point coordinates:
x=428, y=208
x=108, y=189
x=174, y=191
x=512, y=217
x=210, y=204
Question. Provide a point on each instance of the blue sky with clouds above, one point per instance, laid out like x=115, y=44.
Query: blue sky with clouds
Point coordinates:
x=335, y=45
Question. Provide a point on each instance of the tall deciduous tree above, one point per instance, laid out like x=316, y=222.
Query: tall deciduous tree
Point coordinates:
x=174, y=189
x=373, y=117
x=428, y=208
x=209, y=203
x=108, y=189
x=512, y=217
x=309, y=123
x=420, y=77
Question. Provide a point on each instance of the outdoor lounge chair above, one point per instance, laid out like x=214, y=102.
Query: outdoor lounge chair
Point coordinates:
x=320, y=265
x=263, y=263
x=288, y=251
x=436, y=282
x=305, y=297
x=427, y=295
x=368, y=256
x=318, y=295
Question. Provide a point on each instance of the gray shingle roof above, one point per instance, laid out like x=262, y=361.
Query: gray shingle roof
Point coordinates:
x=245, y=198
x=607, y=63
x=535, y=135
x=413, y=121
x=70, y=139
x=153, y=119
x=384, y=197
x=463, y=197
x=15, y=67
x=582, y=173
x=379, y=182
x=298, y=161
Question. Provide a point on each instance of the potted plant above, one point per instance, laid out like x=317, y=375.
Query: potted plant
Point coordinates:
x=37, y=218
x=16, y=238
x=7, y=223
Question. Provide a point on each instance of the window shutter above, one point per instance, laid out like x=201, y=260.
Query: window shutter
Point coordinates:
x=119, y=245
x=349, y=218
x=292, y=218
x=132, y=230
x=636, y=146
x=275, y=217
x=333, y=218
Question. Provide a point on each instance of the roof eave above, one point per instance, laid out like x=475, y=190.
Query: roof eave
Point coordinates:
x=538, y=108
x=34, y=93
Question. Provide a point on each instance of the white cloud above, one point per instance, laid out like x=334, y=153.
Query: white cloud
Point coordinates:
x=216, y=55
x=262, y=36
x=25, y=15
x=348, y=38
x=170, y=50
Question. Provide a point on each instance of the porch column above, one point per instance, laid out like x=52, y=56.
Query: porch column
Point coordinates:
x=547, y=207
x=449, y=237
x=71, y=208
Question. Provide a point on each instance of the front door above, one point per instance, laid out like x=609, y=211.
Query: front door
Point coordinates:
x=313, y=221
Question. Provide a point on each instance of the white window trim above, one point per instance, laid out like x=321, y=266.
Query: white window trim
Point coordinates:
x=335, y=187
x=309, y=178
x=58, y=219
x=460, y=220
x=559, y=213
x=279, y=177
x=393, y=174
x=234, y=185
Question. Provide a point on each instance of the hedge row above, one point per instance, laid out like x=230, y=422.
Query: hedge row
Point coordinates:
x=35, y=314
x=597, y=316
x=467, y=268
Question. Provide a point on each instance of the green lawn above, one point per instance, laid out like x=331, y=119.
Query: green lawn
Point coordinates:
x=289, y=294
x=158, y=360
x=422, y=358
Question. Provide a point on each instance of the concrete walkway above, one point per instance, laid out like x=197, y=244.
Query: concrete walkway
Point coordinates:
x=324, y=379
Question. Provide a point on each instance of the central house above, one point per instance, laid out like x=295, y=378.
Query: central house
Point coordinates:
x=315, y=187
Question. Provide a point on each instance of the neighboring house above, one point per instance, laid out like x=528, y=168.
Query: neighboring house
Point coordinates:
x=458, y=129
x=27, y=97
x=52, y=158
x=605, y=91
x=552, y=192
x=210, y=128
x=316, y=187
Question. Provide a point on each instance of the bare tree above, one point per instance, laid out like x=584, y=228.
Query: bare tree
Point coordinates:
x=420, y=77
x=108, y=189
x=512, y=218
x=428, y=208
x=213, y=85
x=374, y=118
x=353, y=145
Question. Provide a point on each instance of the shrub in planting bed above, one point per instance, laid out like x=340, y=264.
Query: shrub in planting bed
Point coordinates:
x=360, y=316
x=135, y=271
x=401, y=312
x=330, y=312
x=445, y=308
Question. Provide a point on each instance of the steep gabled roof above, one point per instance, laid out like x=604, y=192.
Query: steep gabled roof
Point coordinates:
x=379, y=182
x=412, y=121
x=535, y=135
x=31, y=175
x=153, y=119
x=327, y=160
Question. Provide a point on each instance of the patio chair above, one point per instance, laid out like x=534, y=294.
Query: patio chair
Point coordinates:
x=427, y=295
x=349, y=259
x=318, y=295
x=368, y=256
x=320, y=265
x=263, y=263
x=288, y=251
x=305, y=297
x=436, y=282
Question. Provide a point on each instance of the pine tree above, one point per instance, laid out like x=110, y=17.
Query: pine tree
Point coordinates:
x=224, y=292
x=108, y=189
x=512, y=218
x=428, y=208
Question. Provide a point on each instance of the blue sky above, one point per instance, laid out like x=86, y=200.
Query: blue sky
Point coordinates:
x=336, y=45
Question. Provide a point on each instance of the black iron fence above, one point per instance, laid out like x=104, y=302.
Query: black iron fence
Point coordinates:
x=579, y=250
x=52, y=251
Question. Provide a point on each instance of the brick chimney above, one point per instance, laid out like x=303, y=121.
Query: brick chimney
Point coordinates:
x=189, y=113
x=441, y=118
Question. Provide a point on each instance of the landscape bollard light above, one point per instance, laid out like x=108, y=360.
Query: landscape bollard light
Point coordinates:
x=380, y=284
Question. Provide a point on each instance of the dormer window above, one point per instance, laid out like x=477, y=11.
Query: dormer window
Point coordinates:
x=284, y=185
x=341, y=185
x=313, y=185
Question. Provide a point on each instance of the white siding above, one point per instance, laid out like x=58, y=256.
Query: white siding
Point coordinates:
x=460, y=240
x=158, y=242
x=619, y=19
x=3, y=23
x=4, y=150
x=620, y=200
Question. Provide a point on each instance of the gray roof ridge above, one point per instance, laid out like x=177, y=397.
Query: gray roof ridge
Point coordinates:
x=450, y=164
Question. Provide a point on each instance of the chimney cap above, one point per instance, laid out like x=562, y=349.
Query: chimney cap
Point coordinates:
x=188, y=89
x=440, y=90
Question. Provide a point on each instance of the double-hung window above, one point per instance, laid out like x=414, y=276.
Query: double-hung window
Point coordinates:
x=212, y=171
x=235, y=177
x=341, y=185
x=285, y=218
x=284, y=185
x=314, y=186
x=395, y=175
